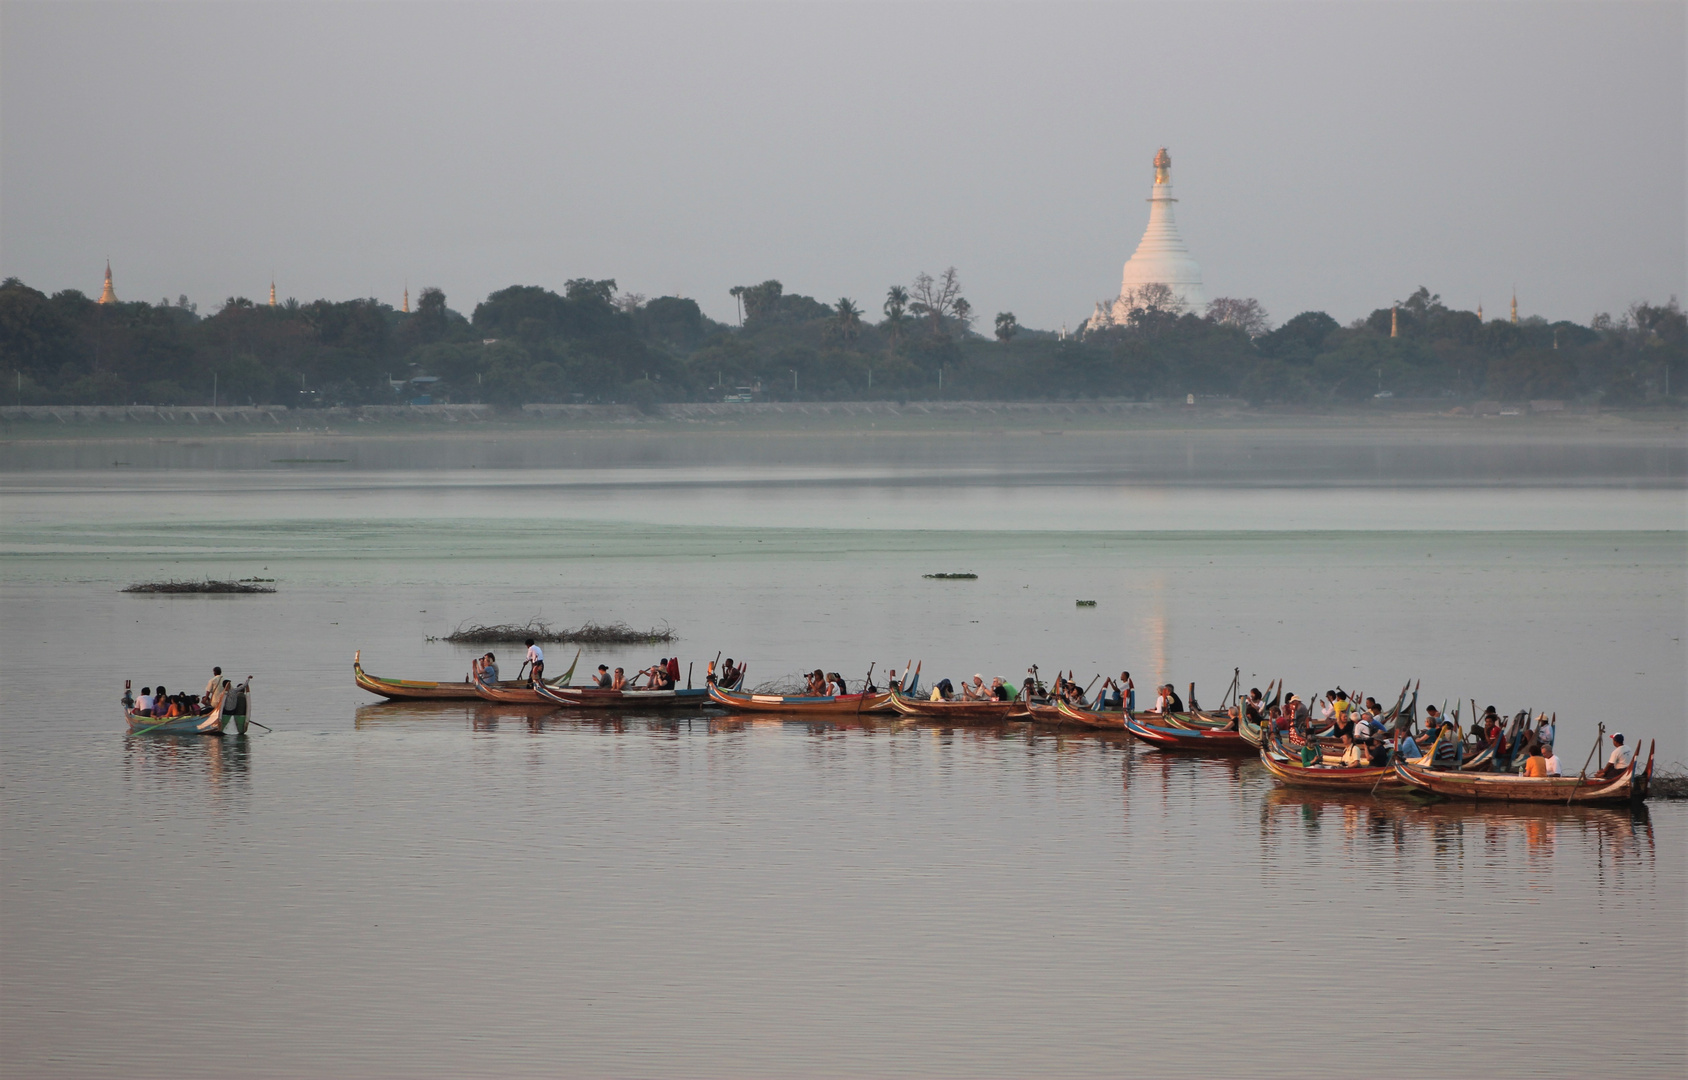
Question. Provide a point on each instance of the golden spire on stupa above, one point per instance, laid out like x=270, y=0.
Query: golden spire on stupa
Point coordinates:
x=407, y=300
x=108, y=295
x=1163, y=167
x=1514, y=307
x=1395, y=320
x=1479, y=311
x=272, y=292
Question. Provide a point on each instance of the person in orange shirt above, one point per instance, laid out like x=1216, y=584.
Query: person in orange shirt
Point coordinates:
x=1535, y=764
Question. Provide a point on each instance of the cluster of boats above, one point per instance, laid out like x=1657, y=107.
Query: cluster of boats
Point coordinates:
x=1296, y=759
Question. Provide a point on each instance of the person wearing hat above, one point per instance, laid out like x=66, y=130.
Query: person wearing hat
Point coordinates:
x=1546, y=730
x=1619, y=761
x=604, y=676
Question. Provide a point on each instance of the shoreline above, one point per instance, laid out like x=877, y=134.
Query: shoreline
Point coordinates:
x=1661, y=426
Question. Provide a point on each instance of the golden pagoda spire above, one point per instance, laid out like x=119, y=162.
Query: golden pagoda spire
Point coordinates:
x=1514, y=307
x=407, y=301
x=272, y=292
x=1479, y=311
x=1163, y=167
x=108, y=295
x=1394, y=320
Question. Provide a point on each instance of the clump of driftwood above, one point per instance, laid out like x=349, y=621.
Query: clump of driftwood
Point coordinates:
x=952, y=577
x=1671, y=783
x=590, y=633
x=207, y=586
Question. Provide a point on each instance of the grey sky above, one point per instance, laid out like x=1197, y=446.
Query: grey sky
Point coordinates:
x=1330, y=156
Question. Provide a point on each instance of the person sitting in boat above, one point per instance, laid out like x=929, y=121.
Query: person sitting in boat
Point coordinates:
x=602, y=679
x=619, y=682
x=1354, y=752
x=535, y=658
x=143, y=704
x=835, y=685
x=1546, y=730
x=1028, y=689
x=1535, y=766
x=161, y=702
x=1254, y=707
x=486, y=669
x=1552, y=759
x=1176, y=702
x=1406, y=747
x=814, y=684
x=976, y=690
x=943, y=691
x=731, y=676
x=1620, y=759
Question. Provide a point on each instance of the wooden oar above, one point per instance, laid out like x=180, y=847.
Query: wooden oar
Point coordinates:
x=1599, y=737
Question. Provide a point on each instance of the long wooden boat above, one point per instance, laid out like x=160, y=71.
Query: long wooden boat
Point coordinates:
x=408, y=689
x=597, y=697
x=213, y=723
x=1212, y=740
x=833, y=705
x=1628, y=786
x=1329, y=774
x=1092, y=718
x=960, y=712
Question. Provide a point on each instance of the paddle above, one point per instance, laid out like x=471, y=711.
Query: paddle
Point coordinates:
x=1599, y=737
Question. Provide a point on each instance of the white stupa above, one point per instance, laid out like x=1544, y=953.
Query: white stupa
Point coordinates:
x=1161, y=257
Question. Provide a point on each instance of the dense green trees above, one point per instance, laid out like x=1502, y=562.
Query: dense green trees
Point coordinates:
x=592, y=343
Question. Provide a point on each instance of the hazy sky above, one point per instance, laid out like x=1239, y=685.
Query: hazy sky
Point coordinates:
x=1330, y=156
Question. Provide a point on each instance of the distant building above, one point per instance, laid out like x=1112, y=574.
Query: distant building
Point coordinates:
x=108, y=295
x=1161, y=257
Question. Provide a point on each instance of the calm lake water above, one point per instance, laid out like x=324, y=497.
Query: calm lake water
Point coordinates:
x=451, y=890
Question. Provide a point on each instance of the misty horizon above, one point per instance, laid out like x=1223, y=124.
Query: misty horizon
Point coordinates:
x=1327, y=158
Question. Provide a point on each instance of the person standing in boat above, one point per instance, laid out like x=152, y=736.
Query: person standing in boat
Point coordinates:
x=1129, y=690
x=211, y=688
x=535, y=659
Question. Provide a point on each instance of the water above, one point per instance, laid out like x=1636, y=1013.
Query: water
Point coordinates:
x=461, y=889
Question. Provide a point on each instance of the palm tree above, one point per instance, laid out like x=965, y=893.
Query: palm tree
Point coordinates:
x=847, y=324
x=737, y=293
x=896, y=306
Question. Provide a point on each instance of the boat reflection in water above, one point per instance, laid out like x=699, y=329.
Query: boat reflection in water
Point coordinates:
x=488, y=717
x=223, y=764
x=1456, y=832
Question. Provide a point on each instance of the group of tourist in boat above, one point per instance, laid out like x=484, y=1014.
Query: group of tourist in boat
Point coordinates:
x=161, y=704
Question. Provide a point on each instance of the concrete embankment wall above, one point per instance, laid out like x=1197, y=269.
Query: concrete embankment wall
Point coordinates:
x=275, y=415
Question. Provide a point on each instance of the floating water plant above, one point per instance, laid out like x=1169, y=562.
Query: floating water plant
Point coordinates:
x=1086, y=603
x=590, y=633
x=206, y=586
x=952, y=577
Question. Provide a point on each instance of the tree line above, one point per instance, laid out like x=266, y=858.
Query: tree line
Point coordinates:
x=592, y=342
